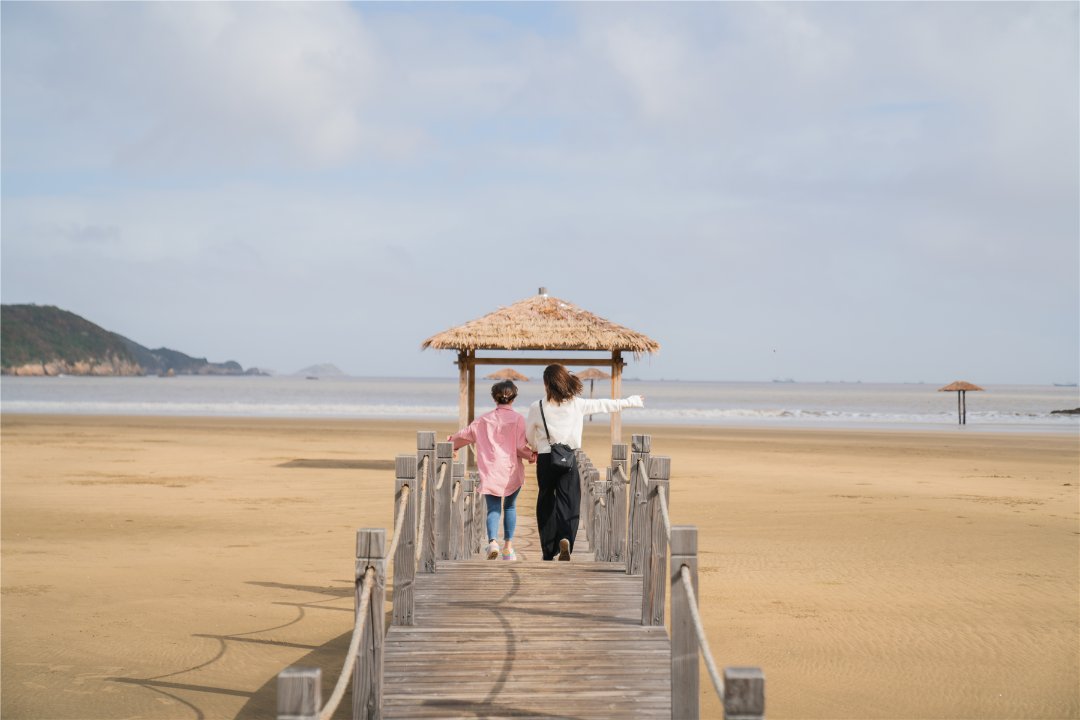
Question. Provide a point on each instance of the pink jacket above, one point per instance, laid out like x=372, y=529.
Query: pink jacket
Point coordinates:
x=500, y=446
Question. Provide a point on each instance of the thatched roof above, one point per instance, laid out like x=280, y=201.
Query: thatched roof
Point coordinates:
x=507, y=374
x=542, y=322
x=593, y=374
x=959, y=385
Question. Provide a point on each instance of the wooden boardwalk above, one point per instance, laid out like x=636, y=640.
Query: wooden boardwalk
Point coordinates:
x=527, y=639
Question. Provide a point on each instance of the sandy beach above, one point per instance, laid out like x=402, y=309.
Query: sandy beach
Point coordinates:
x=171, y=567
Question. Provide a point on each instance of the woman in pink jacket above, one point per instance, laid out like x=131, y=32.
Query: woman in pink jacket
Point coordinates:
x=499, y=436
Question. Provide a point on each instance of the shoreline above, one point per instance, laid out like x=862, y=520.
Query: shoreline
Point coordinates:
x=165, y=566
x=628, y=427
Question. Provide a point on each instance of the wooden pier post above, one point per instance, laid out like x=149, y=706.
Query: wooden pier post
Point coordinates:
x=368, y=672
x=684, y=644
x=425, y=448
x=479, y=518
x=457, y=513
x=654, y=575
x=299, y=693
x=635, y=539
x=619, y=483
x=405, y=554
x=598, y=508
x=468, y=517
x=444, y=456
x=744, y=693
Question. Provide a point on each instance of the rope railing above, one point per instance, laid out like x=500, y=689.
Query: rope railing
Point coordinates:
x=703, y=642
x=350, y=659
x=666, y=557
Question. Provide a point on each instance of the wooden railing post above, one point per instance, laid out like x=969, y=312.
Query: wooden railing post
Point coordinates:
x=619, y=482
x=405, y=554
x=444, y=455
x=744, y=693
x=425, y=447
x=654, y=578
x=479, y=517
x=598, y=510
x=635, y=538
x=368, y=672
x=299, y=693
x=457, y=510
x=468, y=517
x=684, y=644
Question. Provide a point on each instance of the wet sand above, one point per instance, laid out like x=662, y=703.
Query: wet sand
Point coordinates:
x=170, y=567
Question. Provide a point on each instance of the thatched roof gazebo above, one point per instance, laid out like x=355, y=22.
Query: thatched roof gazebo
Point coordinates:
x=539, y=323
x=960, y=387
x=507, y=374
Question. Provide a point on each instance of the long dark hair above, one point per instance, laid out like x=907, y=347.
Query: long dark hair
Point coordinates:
x=560, y=384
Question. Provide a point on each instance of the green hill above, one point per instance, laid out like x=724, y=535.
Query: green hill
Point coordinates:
x=45, y=340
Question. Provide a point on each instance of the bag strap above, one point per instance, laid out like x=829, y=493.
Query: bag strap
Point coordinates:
x=546, y=431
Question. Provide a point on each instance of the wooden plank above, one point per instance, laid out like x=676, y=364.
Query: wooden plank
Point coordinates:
x=576, y=361
x=527, y=639
x=684, y=644
x=299, y=693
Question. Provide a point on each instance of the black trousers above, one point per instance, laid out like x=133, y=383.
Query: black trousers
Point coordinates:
x=558, y=505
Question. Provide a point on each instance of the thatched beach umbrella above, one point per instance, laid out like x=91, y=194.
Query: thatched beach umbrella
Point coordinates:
x=592, y=375
x=507, y=374
x=960, y=387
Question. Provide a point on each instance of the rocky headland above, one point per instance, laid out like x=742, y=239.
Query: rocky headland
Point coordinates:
x=42, y=340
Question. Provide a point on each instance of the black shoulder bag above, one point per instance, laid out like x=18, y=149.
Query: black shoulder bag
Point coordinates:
x=562, y=455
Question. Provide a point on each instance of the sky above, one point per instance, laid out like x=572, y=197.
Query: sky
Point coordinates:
x=886, y=192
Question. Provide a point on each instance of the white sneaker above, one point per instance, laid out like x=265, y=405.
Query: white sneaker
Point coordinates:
x=492, y=550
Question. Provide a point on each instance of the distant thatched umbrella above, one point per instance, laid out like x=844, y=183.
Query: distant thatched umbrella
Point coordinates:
x=592, y=375
x=960, y=387
x=507, y=374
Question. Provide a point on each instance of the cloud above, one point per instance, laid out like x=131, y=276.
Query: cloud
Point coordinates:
x=778, y=172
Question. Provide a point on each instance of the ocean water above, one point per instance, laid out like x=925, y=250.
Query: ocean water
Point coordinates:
x=1000, y=407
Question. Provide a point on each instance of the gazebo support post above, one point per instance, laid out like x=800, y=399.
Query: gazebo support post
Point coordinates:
x=616, y=393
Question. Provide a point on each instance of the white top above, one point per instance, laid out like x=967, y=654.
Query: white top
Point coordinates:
x=564, y=421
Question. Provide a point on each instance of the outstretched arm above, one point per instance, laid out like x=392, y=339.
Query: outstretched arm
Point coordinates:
x=461, y=438
x=602, y=405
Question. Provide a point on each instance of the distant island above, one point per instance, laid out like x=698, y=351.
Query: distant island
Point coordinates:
x=322, y=370
x=46, y=340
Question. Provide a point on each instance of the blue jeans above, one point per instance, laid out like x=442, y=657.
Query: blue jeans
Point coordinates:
x=505, y=506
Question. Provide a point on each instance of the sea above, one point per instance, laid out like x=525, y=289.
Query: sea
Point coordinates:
x=762, y=404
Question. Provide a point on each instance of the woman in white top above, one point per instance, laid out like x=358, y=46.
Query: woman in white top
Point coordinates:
x=559, y=490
